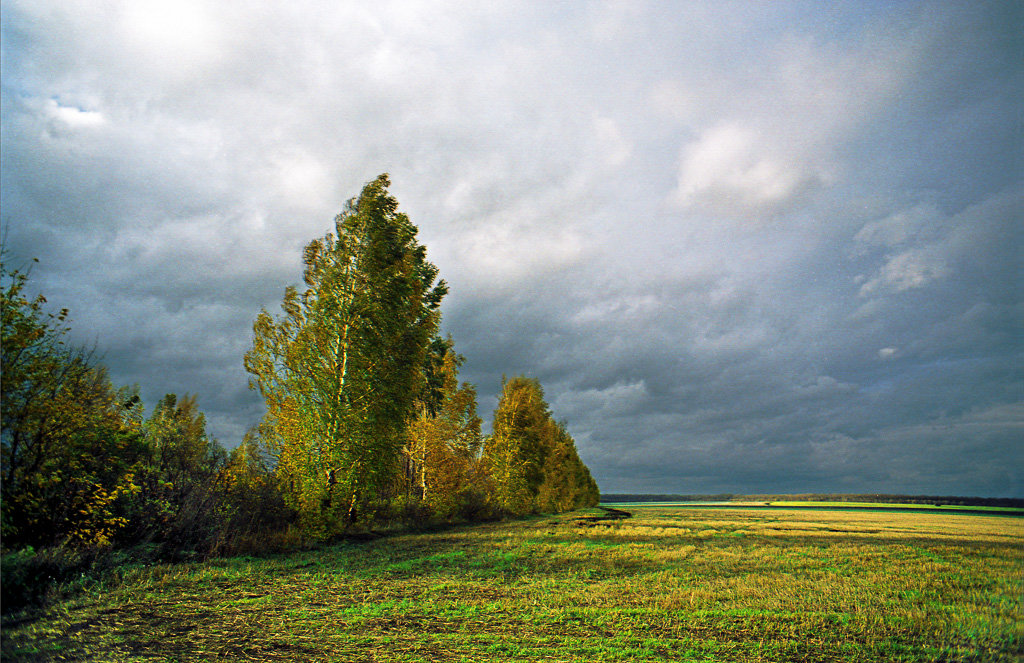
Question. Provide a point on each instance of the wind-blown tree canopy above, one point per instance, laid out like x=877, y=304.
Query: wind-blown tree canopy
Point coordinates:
x=340, y=369
x=567, y=483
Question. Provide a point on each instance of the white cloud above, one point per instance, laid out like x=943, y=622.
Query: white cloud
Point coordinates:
x=174, y=37
x=302, y=179
x=912, y=224
x=615, y=149
x=625, y=311
x=498, y=256
x=905, y=271
x=672, y=100
x=730, y=166
x=887, y=353
x=613, y=19
x=761, y=137
x=921, y=246
x=621, y=398
x=73, y=117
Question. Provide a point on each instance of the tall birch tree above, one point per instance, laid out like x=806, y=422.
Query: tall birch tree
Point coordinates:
x=341, y=367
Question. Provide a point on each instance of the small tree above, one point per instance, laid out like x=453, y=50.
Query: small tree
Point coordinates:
x=531, y=458
x=515, y=451
x=567, y=484
x=176, y=501
x=255, y=516
x=444, y=437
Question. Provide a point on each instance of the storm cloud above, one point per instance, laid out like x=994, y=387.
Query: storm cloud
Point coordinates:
x=744, y=246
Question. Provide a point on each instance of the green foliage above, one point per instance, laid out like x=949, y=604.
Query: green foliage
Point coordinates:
x=340, y=368
x=29, y=576
x=567, y=484
x=515, y=451
x=82, y=469
x=176, y=499
x=531, y=459
x=257, y=519
x=444, y=437
x=67, y=444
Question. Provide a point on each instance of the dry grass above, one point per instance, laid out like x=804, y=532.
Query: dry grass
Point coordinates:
x=668, y=584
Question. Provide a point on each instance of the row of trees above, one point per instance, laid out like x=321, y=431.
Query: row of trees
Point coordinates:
x=366, y=419
x=364, y=405
x=531, y=458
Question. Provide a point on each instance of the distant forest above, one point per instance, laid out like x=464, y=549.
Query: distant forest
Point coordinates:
x=367, y=424
x=1009, y=502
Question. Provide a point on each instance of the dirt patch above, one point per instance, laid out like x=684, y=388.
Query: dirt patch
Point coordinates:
x=605, y=519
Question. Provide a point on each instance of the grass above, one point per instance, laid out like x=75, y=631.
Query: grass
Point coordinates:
x=668, y=584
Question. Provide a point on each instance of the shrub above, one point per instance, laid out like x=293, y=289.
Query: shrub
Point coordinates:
x=31, y=577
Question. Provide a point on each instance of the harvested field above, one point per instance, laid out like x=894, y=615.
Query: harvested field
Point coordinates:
x=665, y=584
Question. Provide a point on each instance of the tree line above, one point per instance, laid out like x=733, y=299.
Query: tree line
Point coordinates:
x=880, y=498
x=367, y=424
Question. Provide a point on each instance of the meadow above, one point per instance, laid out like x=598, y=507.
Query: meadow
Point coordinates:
x=676, y=583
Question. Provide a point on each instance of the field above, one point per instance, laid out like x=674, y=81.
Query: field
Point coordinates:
x=667, y=584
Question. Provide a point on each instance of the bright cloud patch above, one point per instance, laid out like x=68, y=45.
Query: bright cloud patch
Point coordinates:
x=499, y=257
x=173, y=37
x=72, y=117
x=920, y=221
x=614, y=148
x=905, y=271
x=729, y=166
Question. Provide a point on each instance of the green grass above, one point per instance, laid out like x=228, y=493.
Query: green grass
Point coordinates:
x=668, y=584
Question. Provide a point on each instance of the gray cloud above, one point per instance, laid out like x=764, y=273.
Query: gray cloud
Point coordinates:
x=760, y=247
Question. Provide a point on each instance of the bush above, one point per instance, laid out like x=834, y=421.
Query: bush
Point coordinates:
x=411, y=512
x=474, y=506
x=30, y=578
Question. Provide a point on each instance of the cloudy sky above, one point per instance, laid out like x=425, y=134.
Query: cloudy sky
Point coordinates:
x=745, y=246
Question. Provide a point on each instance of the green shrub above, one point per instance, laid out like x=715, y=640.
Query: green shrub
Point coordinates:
x=472, y=505
x=29, y=578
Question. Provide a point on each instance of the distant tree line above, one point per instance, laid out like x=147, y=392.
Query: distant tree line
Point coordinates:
x=663, y=497
x=880, y=498
x=367, y=424
x=886, y=498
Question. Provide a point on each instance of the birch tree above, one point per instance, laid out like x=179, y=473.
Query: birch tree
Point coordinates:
x=444, y=437
x=567, y=483
x=514, y=453
x=340, y=368
x=531, y=458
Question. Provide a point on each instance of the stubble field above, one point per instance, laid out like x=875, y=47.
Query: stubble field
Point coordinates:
x=674, y=583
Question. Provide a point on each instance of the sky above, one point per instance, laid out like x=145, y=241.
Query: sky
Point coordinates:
x=745, y=247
